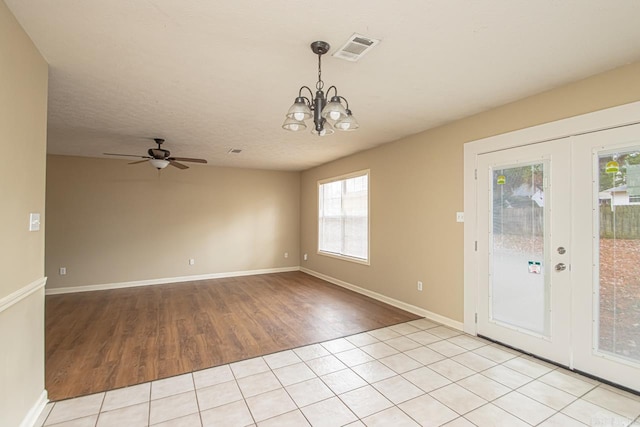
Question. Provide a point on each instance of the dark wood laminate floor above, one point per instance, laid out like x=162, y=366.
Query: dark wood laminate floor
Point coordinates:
x=97, y=341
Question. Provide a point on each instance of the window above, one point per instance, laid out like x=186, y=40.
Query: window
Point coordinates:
x=343, y=220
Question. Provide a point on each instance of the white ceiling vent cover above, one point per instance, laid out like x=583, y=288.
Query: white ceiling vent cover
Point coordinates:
x=356, y=47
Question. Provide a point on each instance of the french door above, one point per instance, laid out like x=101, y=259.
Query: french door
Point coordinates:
x=559, y=251
x=524, y=244
x=606, y=277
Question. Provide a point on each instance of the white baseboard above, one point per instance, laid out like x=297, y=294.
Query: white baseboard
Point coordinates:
x=22, y=293
x=35, y=411
x=391, y=301
x=151, y=282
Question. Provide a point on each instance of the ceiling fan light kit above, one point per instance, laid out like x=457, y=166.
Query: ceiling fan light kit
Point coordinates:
x=324, y=113
x=160, y=158
x=159, y=163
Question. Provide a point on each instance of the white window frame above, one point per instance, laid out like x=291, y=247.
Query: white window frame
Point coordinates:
x=344, y=177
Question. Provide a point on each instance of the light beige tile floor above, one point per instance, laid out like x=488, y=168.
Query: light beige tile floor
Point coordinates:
x=417, y=373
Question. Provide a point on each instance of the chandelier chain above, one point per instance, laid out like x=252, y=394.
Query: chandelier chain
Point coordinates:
x=320, y=83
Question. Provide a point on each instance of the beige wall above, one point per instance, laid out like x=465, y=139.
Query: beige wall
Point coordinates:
x=23, y=116
x=417, y=187
x=110, y=222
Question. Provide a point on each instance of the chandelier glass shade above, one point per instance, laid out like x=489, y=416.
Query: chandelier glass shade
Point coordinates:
x=324, y=113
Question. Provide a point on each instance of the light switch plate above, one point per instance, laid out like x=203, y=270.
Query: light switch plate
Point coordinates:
x=34, y=221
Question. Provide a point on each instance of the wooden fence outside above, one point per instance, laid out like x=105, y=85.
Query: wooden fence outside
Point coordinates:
x=621, y=223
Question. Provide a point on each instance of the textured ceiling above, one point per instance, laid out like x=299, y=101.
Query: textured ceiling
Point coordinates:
x=213, y=75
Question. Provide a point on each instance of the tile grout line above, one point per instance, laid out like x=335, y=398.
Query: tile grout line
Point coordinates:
x=149, y=414
x=195, y=391
x=287, y=391
x=235, y=379
x=100, y=409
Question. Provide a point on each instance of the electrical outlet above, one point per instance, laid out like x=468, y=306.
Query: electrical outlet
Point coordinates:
x=286, y=254
x=459, y=216
x=63, y=271
x=305, y=257
x=419, y=285
x=192, y=261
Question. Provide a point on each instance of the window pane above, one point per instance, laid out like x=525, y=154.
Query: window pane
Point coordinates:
x=331, y=200
x=618, y=285
x=343, y=223
x=331, y=234
x=518, y=290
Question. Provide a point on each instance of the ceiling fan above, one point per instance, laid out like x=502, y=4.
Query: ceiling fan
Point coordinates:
x=160, y=158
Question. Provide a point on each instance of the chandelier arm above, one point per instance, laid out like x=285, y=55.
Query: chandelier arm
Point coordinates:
x=344, y=99
x=309, y=100
x=335, y=91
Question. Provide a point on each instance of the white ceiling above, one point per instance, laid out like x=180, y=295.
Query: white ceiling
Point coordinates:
x=213, y=75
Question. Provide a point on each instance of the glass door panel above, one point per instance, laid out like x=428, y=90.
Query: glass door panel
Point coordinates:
x=606, y=259
x=519, y=294
x=617, y=284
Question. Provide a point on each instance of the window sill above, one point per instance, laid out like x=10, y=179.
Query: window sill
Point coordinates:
x=345, y=258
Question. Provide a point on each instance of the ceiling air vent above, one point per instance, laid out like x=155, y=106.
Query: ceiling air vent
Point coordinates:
x=355, y=47
x=234, y=151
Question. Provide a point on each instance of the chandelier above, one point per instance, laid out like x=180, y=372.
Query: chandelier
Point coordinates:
x=325, y=114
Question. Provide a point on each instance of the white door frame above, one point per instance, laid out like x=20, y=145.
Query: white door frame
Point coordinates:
x=586, y=123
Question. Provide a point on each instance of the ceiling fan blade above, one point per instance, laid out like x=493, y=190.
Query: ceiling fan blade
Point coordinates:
x=188, y=159
x=125, y=155
x=139, y=161
x=178, y=165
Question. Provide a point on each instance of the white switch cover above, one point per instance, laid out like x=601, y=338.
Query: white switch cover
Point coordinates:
x=34, y=221
x=459, y=216
x=306, y=257
x=63, y=271
x=192, y=261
